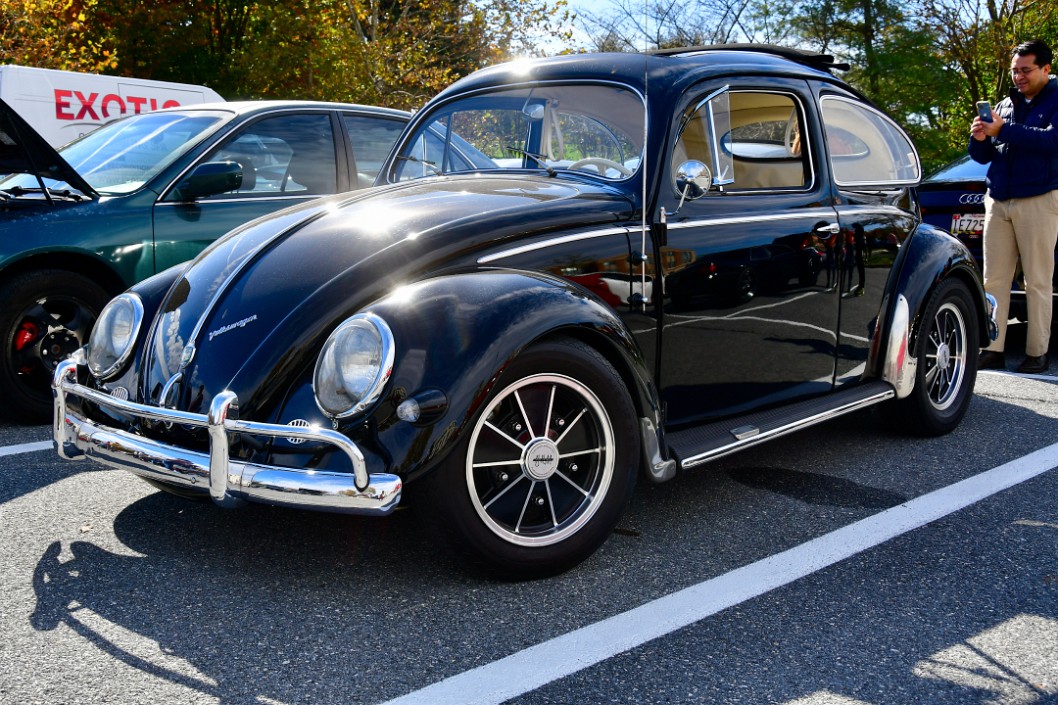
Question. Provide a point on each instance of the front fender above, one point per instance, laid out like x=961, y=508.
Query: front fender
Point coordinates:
x=929, y=257
x=455, y=334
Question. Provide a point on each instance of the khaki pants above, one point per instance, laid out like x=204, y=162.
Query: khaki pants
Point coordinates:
x=1027, y=227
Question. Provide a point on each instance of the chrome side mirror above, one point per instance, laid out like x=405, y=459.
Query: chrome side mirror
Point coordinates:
x=693, y=180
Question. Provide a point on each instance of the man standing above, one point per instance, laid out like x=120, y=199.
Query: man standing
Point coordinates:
x=1020, y=144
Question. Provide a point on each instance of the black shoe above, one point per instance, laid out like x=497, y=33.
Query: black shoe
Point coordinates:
x=991, y=360
x=1033, y=365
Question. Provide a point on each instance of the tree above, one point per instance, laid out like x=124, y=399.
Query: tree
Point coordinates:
x=53, y=34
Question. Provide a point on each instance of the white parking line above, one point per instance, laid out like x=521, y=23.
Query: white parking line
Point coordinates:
x=25, y=448
x=532, y=668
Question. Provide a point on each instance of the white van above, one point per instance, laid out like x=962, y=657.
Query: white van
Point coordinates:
x=63, y=105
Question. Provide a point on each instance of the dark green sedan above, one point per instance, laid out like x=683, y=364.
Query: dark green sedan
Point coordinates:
x=142, y=194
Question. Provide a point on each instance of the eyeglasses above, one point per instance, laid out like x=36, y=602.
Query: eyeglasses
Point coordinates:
x=1024, y=72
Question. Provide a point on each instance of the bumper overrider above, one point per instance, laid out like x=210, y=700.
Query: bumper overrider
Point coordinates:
x=228, y=482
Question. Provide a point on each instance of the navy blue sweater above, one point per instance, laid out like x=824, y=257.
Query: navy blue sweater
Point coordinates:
x=1024, y=156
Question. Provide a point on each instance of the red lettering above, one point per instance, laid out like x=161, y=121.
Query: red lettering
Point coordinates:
x=154, y=104
x=171, y=104
x=111, y=98
x=86, y=105
x=62, y=105
x=136, y=103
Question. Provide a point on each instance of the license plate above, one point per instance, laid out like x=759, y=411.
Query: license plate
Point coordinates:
x=967, y=223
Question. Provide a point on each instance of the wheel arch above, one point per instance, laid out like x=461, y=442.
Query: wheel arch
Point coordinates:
x=75, y=262
x=511, y=310
x=930, y=257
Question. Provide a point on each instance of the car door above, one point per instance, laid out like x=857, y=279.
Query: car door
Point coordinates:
x=287, y=158
x=750, y=312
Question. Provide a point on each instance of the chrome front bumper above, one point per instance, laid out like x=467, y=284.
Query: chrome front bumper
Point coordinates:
x=229, y=482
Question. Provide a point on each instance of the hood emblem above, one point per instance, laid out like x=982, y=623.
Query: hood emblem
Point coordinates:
x=232, y=326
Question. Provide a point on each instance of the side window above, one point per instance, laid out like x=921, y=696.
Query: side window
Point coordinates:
x=286, y=154
x=372, y=138
x=426, y=153
x=755, y=141
x=866, y=147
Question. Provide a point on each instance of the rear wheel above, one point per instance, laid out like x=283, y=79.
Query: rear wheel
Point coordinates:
x=542, y=477
x=44, y=316
x=947, y=364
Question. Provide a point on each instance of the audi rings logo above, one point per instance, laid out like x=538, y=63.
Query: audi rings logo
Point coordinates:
x=969, y=198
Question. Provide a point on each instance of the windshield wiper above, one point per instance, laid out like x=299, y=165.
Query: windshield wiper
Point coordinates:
x=428, y=164
x=65, y=194
x=538, y=158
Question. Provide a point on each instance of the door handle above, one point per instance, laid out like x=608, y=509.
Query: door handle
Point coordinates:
x=831, y=229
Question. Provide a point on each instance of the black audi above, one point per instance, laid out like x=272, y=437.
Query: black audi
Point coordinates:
x=953, y=198
x=493, y=327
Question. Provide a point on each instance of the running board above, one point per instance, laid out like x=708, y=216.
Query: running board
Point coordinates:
x=701, y=444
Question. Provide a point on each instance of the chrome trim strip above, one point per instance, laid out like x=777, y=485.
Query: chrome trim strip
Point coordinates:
x=522, y=249
x=228, y=482
x=828, y=213
x=900, y=364
x=784, y=430
x=256, y=199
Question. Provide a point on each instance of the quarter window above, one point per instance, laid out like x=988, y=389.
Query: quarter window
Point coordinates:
x=372, y=139
x=866, y=147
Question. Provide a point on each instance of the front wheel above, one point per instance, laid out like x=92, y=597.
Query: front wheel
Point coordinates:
x=544, y=473
x=44, y=316
x=947, y=364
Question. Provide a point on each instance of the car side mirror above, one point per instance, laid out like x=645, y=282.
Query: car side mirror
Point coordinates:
x=693, y=180
x=209, y=179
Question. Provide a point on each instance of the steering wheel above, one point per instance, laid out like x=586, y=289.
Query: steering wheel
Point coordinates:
x=602, y=165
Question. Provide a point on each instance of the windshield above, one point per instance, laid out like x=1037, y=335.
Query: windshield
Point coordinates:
x=591, y=129
x=123, y=155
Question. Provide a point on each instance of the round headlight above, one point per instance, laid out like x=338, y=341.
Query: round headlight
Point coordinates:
x=354, y=365
x=114, y=335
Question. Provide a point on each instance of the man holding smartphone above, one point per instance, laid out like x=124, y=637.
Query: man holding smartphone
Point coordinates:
x=1019, y=142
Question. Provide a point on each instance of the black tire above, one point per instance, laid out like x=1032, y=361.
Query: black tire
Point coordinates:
x=745, y=286
x=515, y=497
x=947, y=364
x=44, y=316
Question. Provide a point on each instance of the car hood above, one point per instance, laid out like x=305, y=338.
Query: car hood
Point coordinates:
x=24, y=151
x=253, y=310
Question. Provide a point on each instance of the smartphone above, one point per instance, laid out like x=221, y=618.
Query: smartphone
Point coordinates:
x=984, y=109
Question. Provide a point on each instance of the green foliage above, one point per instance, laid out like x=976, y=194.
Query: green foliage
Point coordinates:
x=924, y=61
x=53, y=34
x=385, y=52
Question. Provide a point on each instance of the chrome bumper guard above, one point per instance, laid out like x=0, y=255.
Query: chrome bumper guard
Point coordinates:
x=228, y=482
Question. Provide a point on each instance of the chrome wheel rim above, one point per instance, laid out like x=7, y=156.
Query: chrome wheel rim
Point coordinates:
x=945, y=356
x=540, y=460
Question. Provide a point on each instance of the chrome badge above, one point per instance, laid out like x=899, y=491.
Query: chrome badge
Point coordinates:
x=232, y=326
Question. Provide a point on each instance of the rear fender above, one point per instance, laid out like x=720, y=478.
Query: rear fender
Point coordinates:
x=929, y=257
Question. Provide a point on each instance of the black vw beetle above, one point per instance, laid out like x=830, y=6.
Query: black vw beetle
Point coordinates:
x=572, y=270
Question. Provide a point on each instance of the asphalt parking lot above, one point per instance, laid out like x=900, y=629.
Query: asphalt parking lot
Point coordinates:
x=842, y=565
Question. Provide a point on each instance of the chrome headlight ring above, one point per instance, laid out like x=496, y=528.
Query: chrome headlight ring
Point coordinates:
x=114, y=335
x=354, y=366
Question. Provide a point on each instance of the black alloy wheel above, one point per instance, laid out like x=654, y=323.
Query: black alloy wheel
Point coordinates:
x=45, y=316
x=544, y=473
